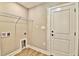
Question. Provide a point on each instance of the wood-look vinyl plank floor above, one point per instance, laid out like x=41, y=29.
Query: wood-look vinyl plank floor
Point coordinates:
x=30, y=52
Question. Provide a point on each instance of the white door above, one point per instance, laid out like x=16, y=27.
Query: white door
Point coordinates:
x=62, y=30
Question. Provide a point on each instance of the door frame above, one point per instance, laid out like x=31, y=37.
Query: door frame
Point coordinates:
x=48, y=26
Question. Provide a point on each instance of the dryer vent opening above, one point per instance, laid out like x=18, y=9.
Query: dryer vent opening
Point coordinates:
x=23, y=43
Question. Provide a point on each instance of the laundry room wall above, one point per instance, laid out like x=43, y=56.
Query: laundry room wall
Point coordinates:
x=21, y=28
x=8, y=24
x=13, y=8
x=38, y=25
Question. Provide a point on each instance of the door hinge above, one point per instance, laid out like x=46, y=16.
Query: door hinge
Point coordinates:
x=74, y=33
x=74, y=9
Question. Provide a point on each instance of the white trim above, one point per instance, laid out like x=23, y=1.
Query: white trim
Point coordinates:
x=29, y=46
x=18, y=50
x=38, y=49
x=61, y=5
x=77, y=26
x=14, y=53
x=48, y=30
x=21, y=44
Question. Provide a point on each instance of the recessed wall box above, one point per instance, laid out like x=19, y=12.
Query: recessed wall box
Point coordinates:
x=8, y=33
x=4, y=34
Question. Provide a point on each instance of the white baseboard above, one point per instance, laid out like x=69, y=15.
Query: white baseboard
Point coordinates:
x=14, y=53
x=38, y=49
x=20, y=49
x=29, y=46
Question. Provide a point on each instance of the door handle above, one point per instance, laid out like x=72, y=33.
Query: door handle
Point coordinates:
x=52, y=31
x=52, y=34
x=74, y=33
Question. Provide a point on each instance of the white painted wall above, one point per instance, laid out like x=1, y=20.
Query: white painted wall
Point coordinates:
x=38, y=36
x=10, y=44
x=13, y=8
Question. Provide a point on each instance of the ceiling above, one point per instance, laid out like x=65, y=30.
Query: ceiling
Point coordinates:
x=30, y=4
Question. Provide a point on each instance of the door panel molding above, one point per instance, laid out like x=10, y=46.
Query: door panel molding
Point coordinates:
x=65, y=41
